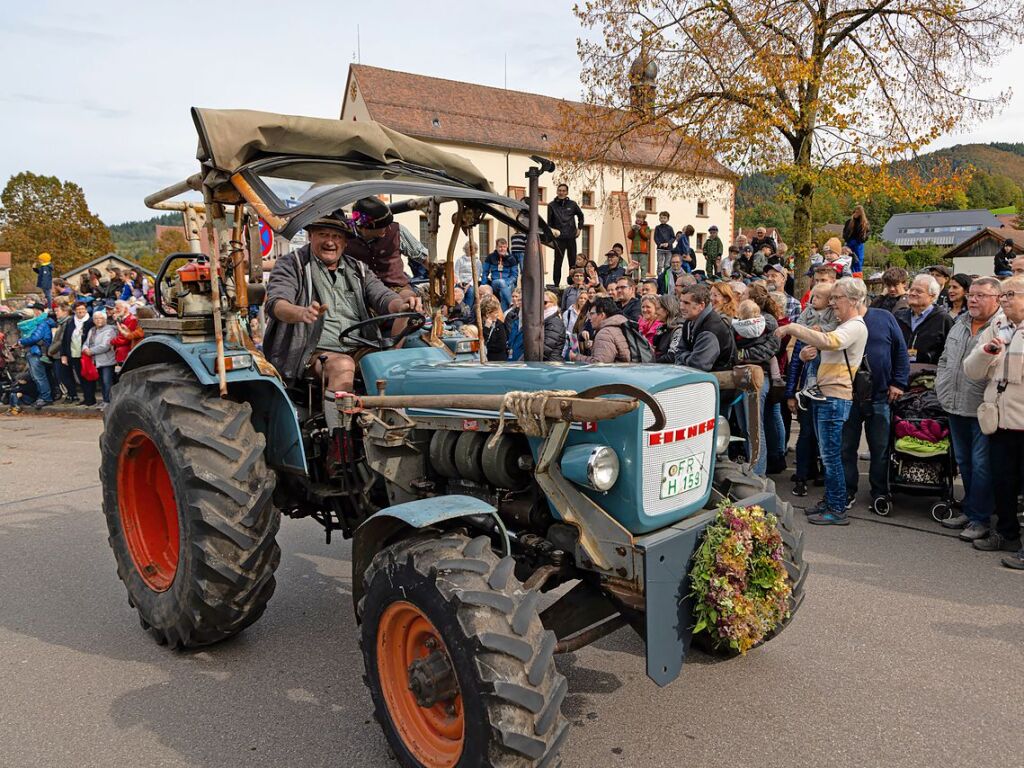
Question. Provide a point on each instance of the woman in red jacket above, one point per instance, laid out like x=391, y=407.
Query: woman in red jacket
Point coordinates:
x=128, y=332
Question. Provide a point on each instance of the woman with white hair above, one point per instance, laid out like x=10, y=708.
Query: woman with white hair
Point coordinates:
x=998, y=357
x=841, y=353
x=98, y=345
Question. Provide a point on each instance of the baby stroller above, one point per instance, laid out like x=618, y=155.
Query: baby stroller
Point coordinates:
x=7, y=382
x=921, y=461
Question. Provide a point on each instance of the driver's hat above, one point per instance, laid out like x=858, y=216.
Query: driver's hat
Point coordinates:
x=335, y=220
x=371, y=213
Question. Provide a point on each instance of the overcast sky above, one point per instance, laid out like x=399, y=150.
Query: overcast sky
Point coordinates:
x=99, y=93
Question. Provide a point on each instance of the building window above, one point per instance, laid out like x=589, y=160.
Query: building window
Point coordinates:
x=586, y=199
x=542, y=194
x=700, y=241
x=588, y=238
x=702, y=207
x=650, y=204
x=483, y=233
x=517, y=193
x=424, y=234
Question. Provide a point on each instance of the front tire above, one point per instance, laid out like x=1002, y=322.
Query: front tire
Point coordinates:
x=187, y=500
x=452, y=605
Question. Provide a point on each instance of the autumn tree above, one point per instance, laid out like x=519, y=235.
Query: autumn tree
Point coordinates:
x=827, y=92
x=43, y=213
x=171, y=241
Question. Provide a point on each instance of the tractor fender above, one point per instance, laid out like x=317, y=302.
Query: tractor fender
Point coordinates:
x=394, y=523
x=272, y=412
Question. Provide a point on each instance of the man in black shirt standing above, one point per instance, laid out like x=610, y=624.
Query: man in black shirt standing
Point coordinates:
x=566, y=218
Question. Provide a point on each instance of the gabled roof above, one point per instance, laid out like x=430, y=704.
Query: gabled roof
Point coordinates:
x=970, y=221
x=997, y=233
x=101, y=259
x=978, y=217
x=435, y=109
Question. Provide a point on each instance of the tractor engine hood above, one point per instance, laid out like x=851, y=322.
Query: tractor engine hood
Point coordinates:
x=664, y=476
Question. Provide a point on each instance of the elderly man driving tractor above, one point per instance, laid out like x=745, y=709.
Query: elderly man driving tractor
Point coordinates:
x=315, y=298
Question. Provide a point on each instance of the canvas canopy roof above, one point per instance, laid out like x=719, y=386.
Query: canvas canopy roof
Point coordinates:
x=230, y=139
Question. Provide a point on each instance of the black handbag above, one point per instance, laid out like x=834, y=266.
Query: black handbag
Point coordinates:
x=863, y=383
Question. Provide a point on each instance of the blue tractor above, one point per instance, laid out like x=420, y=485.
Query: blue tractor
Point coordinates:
x=500, y=513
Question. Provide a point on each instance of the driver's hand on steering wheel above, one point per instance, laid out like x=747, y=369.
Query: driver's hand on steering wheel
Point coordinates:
x=406, y=303
x=311, y=314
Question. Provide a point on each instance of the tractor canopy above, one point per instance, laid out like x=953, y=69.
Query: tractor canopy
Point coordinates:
x=295, y=169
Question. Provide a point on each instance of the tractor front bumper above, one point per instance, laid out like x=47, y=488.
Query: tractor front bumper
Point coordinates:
x=669, y=605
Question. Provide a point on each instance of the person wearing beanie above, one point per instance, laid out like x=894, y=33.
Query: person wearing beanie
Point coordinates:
x=1003, y=258
x=44, y=279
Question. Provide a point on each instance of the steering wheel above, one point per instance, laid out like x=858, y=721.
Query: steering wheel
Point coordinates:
x=349, y=335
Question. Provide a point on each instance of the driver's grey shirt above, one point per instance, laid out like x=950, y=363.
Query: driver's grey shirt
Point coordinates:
x=338, y=291
x=289, y=346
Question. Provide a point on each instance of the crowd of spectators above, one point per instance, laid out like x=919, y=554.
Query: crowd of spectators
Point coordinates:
x=75, y=339
x=937, y=335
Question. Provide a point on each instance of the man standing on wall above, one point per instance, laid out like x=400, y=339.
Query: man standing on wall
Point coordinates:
x=566, y=218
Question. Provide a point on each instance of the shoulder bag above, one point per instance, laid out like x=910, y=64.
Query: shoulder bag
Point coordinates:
x=988, y=413
x=862, y=383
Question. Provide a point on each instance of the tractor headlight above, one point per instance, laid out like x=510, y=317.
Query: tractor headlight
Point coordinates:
x=603, y=468
x=595, y=466
x=722, y=435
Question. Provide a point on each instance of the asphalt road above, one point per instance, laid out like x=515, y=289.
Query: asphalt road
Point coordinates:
x=907, y=652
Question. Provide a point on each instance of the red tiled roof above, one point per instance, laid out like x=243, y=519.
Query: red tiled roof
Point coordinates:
x=432, y=108
x=5, y=259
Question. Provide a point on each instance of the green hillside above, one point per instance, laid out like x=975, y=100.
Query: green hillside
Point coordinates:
x=999, y=159
x=136, y=240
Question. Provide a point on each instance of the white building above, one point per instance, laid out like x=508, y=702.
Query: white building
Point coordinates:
x=498, y=130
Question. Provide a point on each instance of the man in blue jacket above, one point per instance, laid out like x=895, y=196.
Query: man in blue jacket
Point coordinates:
x=886, y=355
x=36, y=342
x=501, y=272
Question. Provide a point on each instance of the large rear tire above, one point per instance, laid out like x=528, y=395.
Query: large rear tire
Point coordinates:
x=187, y=499
x=459, y=667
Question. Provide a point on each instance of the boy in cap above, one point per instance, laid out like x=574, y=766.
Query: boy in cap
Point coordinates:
x=712, y=249
x=44, y=279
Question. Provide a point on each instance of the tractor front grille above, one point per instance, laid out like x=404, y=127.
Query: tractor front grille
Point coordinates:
x=690, y=430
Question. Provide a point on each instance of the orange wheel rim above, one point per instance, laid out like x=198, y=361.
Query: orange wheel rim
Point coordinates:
x=434, y=734
x=149, y=512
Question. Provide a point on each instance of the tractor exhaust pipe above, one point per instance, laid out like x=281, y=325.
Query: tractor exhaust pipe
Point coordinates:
x=533, y=270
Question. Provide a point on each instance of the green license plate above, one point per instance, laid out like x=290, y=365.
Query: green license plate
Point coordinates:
x=682, y=475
